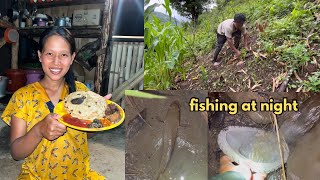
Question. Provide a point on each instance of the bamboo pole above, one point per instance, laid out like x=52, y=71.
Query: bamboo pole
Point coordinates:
x=114, y=54
x=106, y=28
x=140, y=61
x=284, y=84
x=280, y=147
x=117, y=66
x=140, y=56
x=141, y=84
x=134, y=60
x=123, y=62
x=123, y=103
x=132, y=82
x=129, y=61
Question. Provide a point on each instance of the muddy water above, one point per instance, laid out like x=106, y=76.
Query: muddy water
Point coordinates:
x=294, y=125
x=164, y=139
x=304, y=161
x=303, y=132
x=303, y=121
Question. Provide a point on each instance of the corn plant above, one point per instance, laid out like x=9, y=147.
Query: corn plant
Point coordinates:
x=164, y=52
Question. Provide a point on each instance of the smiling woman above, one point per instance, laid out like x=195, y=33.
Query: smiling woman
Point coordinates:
x=55, y=58
x=57, y=54
x=35, y=132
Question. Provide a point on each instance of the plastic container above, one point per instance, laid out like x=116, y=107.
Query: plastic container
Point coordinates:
x=3, y=85
x=33, y=75
x=16, y=79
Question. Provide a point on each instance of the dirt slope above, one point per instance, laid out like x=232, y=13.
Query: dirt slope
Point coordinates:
x=255, y=71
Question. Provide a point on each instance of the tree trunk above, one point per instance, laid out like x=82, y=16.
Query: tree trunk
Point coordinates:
x=194, y=14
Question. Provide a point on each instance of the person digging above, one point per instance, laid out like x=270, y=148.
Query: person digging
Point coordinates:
x=227, y=31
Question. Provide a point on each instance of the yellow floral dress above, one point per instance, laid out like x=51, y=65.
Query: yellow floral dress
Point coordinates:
x=64, y=158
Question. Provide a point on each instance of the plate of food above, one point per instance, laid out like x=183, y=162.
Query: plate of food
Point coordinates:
x=88, y=111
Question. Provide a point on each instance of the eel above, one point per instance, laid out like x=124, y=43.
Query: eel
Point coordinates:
x=170, y=130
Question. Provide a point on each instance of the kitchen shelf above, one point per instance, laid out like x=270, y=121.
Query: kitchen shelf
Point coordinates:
x=77, y=31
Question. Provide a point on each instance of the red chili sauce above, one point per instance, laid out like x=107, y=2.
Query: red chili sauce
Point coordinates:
x=75, y=121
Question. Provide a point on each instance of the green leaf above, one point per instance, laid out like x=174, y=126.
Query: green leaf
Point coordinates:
x=146, y=2
x=149, y=10
x=141, y=94
x=155, y=43
x=167, y=7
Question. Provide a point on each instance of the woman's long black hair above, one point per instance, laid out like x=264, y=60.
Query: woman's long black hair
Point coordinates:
x=64, y=33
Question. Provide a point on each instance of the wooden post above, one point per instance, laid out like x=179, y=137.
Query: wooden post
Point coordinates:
x=15, y=46
x=14, y=58
x=106, y=30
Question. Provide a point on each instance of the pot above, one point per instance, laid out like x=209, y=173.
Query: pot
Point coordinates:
x=40, y=21
x=11, y=35
x=60, y=22
x=16, y=79
x=33, y=75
